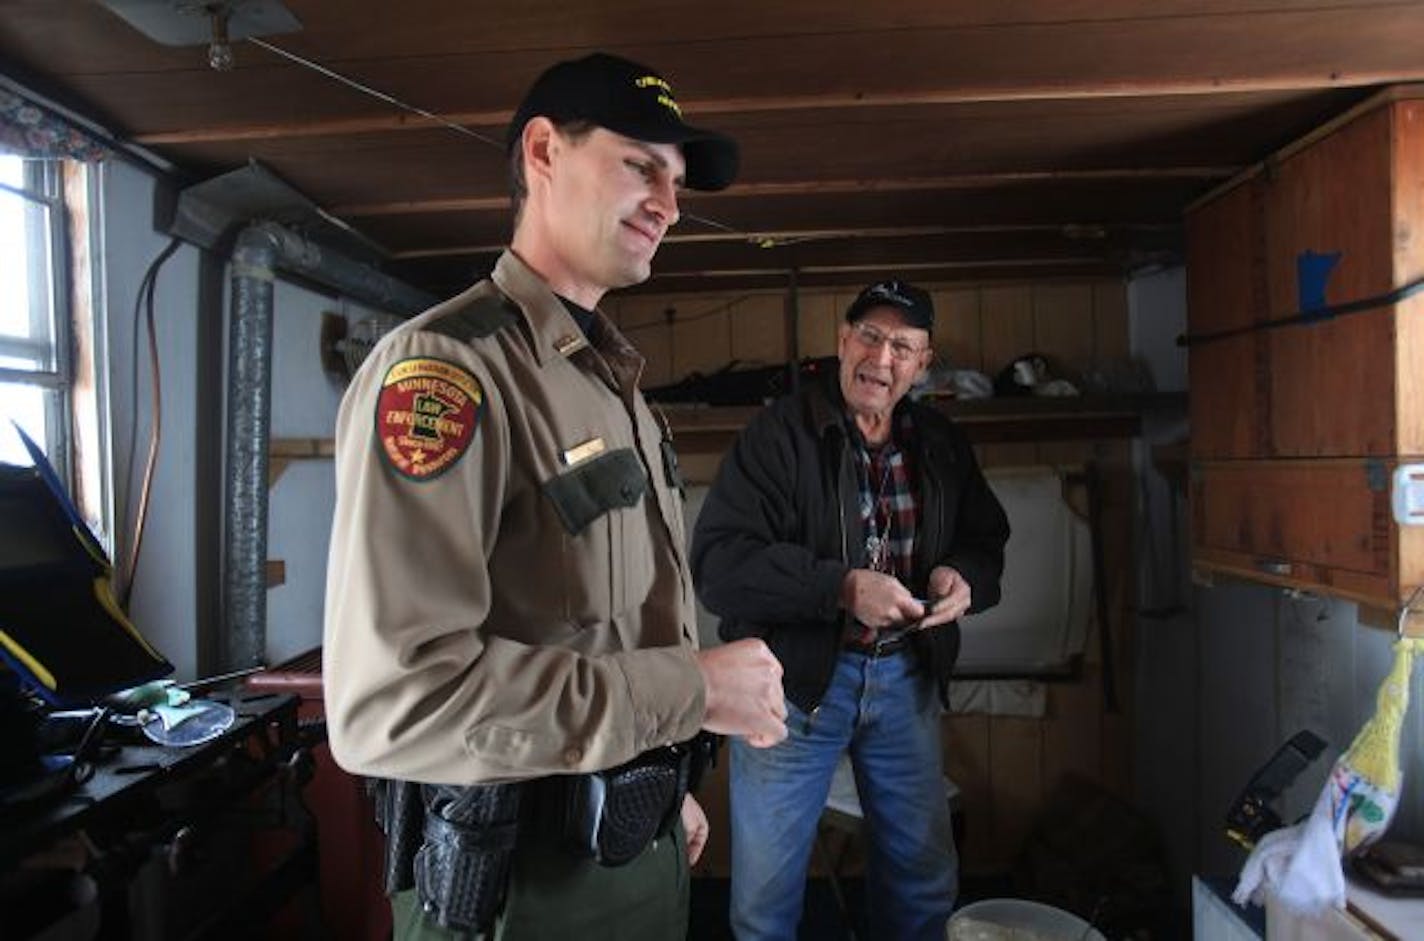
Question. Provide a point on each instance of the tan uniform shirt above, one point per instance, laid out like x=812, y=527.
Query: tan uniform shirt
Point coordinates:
x=508, y=594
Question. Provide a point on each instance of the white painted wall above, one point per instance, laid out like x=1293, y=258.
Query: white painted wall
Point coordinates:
x=304, y=403
x=1240, y=668
x=304, y=399
x=163, y=602
x=1157, y=316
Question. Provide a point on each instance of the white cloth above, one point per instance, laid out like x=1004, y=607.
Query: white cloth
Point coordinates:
x=1299, y=865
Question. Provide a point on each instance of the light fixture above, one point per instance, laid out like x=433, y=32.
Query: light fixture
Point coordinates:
x=219, y=49
x=213, y=23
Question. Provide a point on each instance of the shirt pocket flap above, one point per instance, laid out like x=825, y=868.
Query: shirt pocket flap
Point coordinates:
x=610, y=481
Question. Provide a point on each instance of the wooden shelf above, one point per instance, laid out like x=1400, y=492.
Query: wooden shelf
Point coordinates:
x=710, y=430
x=986, y=421
x=283, y=451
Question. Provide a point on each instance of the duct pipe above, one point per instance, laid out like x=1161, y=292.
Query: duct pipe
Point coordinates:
x=298, y=255
x=261, y=251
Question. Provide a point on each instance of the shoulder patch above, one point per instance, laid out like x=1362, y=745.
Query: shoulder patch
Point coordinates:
x=426, y=416
x=485, y=316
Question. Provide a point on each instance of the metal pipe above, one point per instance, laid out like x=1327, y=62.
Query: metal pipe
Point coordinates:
x=355, y=280
x=249, y=420
x=261, y=251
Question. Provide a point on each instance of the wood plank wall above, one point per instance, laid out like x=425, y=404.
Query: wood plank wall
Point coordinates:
x=980, y=327
x=1005, y=767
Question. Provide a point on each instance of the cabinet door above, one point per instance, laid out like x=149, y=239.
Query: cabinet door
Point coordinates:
x=1408, y=266
x=1296, y=430
x=1226, y=290
x=1321, y=523
x=1332, y=382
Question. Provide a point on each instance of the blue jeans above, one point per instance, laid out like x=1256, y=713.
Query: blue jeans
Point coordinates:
x=885, y=713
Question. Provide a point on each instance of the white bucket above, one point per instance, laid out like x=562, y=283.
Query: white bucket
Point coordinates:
x=1018, y=920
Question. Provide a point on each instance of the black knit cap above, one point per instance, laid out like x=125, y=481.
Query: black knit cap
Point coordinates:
x=632, y=100
x=913, y=302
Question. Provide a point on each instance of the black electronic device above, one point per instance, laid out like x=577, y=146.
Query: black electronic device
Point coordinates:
x=1251, y=815
x=62, y=631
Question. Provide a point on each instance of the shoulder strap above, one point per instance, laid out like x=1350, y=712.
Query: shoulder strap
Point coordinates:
x=481, y=318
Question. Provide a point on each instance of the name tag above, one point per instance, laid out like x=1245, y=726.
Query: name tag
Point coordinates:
x=582, y=452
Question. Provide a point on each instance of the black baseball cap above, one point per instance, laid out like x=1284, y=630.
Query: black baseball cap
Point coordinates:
x=909, y=300
x=628, y=99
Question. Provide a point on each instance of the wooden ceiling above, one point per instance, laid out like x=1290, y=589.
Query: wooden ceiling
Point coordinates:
x=941, y=139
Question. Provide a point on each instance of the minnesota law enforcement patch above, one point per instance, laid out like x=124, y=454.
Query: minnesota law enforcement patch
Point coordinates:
x=426, y=416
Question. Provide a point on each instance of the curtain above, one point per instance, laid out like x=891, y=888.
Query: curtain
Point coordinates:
x=30, y=130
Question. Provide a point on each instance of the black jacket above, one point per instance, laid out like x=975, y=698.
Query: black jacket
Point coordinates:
x=781, y=527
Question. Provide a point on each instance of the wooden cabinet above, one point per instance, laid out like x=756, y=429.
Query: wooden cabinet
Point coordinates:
x=1322, y=524
x=1296, y=429
x=1331, y=384
x=1226, y=292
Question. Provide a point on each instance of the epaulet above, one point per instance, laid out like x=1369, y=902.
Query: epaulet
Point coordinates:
x=483, y=317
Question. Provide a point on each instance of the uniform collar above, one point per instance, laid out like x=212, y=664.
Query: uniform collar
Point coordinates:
x=554, y=330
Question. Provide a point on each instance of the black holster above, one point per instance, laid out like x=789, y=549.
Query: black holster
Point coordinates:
x=611, y=816
x=453, y=845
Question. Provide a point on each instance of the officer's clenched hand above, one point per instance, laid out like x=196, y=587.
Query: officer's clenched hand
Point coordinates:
x=877, y=600
x=744, y=697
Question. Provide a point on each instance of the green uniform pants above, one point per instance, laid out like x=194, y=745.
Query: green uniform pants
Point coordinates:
x=553, y=895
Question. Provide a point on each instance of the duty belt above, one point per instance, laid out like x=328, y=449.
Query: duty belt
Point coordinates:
x=611, y=816
x=454, y=845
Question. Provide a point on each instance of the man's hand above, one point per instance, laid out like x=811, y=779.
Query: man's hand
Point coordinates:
x=694, y=822
x=744, y=695
x=877, y=600
x=950, y=597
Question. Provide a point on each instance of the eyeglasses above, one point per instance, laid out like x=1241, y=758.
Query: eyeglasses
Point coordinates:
x=902, y=351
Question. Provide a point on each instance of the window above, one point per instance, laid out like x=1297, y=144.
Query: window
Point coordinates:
x=34, y=321
x=52, y=377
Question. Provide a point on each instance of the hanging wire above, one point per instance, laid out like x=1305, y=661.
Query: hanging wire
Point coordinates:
x=1407, y=610
x=712, y=223
x=458, y=128
x=690, y=318
x=155, y=429
x=374, y=92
